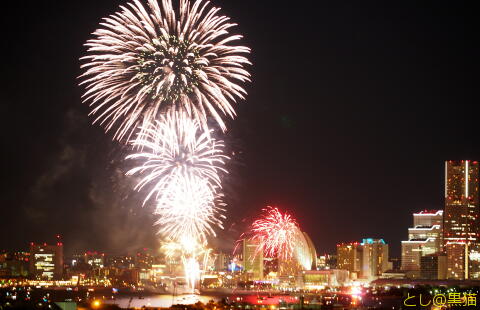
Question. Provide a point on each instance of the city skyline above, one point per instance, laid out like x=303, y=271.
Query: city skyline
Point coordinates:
x=426, y=223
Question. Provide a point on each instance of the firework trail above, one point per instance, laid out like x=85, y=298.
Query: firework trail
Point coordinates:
x=189, y=253
x=276, y=233
x=174, y=149
x=145, y=61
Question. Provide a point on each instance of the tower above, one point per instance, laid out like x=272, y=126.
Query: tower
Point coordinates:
x=46, y=261
x=461, y=218
x=252, y=260
x=424, y=238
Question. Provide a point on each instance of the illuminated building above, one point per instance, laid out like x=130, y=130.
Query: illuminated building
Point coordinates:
x=366, y=260
x=46, y=261
x=463, y=260
x=374, y=258
x=77, y=259
x=14, y=264
x=349, y=257
x=424, y=238
x=433, y=267
x=252, y=260
x=120, y=262
x=474, y=261
x=322, y=262
x=461, y=222
x=312, y=253
x=428, y=225
x=412, y=252
x=331, y=261
x=270, y=266
x=315, y=279
x=222, y=261
x=158, y=271
x=456, y=263
x=304, y=258
x=144, y=259
x=304, y=254
x=396, y=263
x=94, y=259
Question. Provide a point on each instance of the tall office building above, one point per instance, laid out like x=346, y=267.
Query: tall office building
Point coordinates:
x=14, y=264
x=461, y=221
x=222, y=261
x=252, y=260
x=46, y=261
x=433, y=267
x=94, y=259
x=374, y=258
x=349, y=257
x=366, y=260
x=424, y=238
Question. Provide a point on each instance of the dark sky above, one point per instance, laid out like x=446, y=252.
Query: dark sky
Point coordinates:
x=353, y=108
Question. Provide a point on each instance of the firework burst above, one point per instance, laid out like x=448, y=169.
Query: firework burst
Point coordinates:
x=188, y=211
x=276, y=233
x=174, y=149
x=183, y=164
x=195, y=257
x=145, y=61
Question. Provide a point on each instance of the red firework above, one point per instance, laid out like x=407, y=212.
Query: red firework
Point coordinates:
x=276, y=233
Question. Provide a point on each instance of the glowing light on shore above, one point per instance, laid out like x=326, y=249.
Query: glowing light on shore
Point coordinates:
x=191, y=254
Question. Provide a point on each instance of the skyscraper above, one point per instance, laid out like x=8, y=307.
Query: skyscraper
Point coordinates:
x=46, y=261
x=350, y=258
x=461, y=220
x=366, y=260
x=252, y=260
x=374, y=258
x=433, y=266
x=424, y=238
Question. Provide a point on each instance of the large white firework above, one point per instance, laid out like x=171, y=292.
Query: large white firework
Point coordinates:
x=175, y=148
x=181, y=163
x=145, y=61
x=188, y=211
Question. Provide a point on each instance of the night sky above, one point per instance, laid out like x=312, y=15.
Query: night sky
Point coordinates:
x=353, y=108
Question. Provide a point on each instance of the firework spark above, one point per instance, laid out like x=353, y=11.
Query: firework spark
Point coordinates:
x=175, y=148
x=194, y=256
x=145, y=61
x=183, y=164
x=189, y=210
x=276, y=233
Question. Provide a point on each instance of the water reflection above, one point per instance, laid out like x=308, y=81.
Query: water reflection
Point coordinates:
x=160, y=300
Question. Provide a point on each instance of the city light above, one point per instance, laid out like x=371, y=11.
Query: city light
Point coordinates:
x=96, y=303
